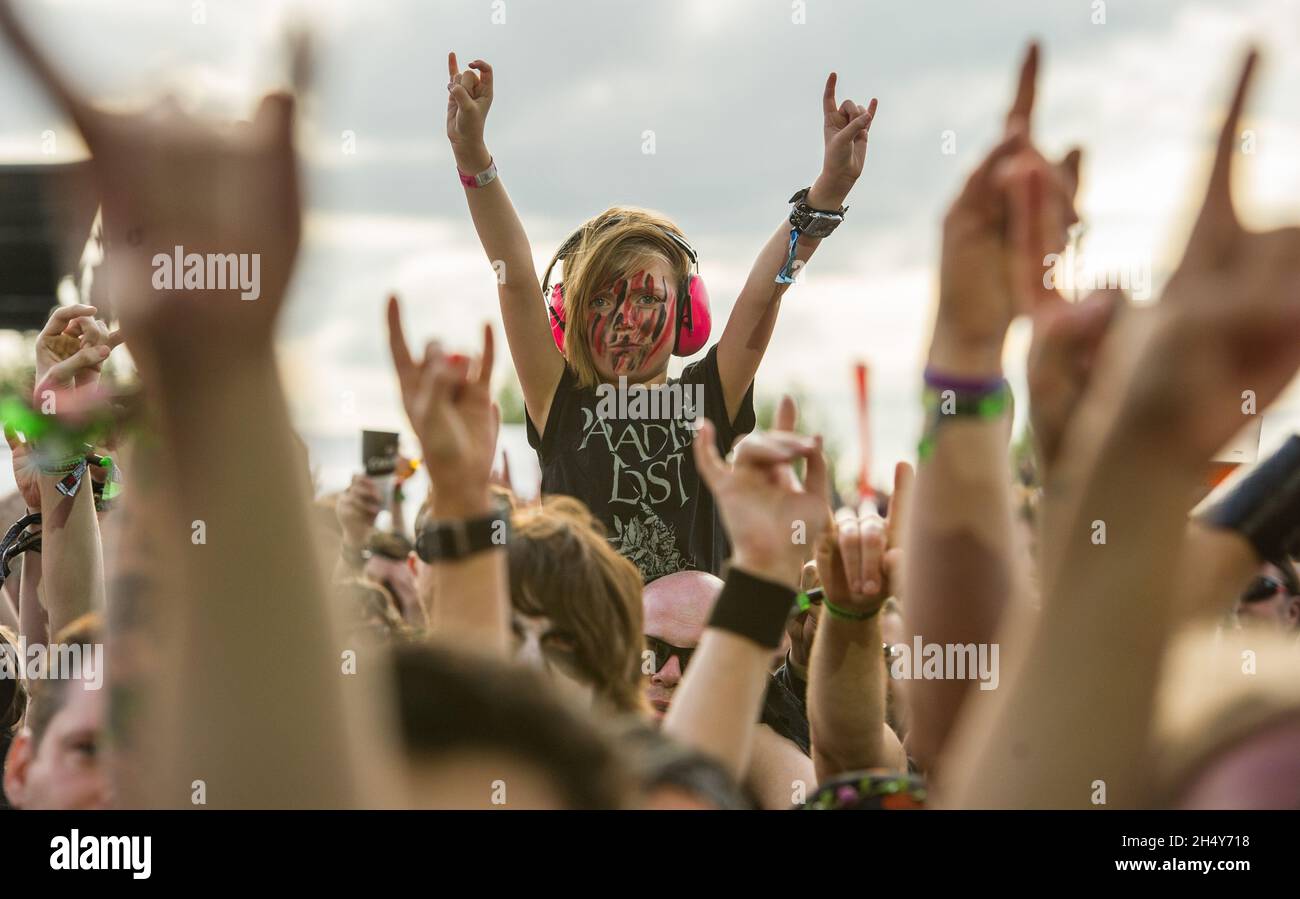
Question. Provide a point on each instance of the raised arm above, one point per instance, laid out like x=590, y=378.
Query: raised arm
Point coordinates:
x=528, y=330
x=72, y=559
x=9, y=613
x=31, y=619
x=69, y=353
x=251, y=664
x=846, y=686
x=716, y=708
x=33, y=623
x=1166, y=396
x=961, y=564
x=749, y=328
x=448, y=399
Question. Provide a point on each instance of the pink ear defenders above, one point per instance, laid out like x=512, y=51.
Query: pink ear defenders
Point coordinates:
x=693, y=318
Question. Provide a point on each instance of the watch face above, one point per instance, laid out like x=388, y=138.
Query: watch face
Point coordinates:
x=820, y=225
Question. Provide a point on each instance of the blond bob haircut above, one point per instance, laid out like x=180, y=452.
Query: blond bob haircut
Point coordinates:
x=620, y=240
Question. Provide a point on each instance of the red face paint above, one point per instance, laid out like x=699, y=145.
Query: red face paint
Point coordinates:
x=629, y=323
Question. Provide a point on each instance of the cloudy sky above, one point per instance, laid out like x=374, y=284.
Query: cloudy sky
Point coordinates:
x=731, y=91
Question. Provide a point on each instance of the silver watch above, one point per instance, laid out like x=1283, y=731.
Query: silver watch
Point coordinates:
x=814, y=223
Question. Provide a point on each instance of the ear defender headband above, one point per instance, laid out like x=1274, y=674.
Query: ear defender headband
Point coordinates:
x=693, y=319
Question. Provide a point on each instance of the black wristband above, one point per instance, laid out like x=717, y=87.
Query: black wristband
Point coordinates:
x=753, y=608
x=451, y=541
x=1265, y=506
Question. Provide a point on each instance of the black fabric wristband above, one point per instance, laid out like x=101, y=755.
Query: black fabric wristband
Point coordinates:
x=754, y=608
x=1265, y=507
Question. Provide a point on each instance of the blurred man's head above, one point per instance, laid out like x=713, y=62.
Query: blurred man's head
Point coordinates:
x=56, y=760
x=677, y=609
x=480, y=734
x=1273, y=597
x=672, y=776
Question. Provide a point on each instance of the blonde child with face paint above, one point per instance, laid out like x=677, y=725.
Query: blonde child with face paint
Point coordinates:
x=609, y=426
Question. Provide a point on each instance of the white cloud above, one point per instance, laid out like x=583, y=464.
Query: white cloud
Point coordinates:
x=732, y=89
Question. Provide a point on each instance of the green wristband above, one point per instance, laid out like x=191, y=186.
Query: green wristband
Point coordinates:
x=845, y=615
x=942, y=405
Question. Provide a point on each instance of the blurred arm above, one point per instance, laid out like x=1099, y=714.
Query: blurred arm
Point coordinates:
x=72, y=559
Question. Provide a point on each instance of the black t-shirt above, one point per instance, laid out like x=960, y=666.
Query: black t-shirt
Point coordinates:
x=628, y=457
x=785, y=708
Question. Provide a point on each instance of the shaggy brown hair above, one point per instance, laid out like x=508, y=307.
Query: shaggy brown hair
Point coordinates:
x=563, y=567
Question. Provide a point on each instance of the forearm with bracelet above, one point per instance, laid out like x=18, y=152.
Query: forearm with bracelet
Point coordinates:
x=807, y=222
x=455, y=540
x=949, y=398
x=753, y=608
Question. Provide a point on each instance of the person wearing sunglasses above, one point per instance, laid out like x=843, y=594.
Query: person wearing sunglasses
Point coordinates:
x=1273, y=597
x=677, y=609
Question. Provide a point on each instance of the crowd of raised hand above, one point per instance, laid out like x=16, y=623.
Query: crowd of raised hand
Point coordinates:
x=693, y=626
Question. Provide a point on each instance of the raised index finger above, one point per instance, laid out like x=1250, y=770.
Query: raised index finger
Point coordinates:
x=484, y=375
x=787, y=414
x=397, y=340
x=452, y=69
x=1023, y=107
x=1218, y=197
x=828, y=95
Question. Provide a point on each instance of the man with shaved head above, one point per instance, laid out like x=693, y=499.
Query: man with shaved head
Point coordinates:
x=677, y=609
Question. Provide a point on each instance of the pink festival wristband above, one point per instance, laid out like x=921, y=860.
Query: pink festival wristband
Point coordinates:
x=483, y=178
